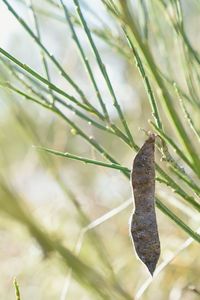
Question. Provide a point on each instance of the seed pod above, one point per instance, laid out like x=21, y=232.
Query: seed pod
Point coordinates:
x=144, y=229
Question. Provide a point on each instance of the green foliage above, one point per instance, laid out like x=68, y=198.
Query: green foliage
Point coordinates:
x=17, y=292
x=171, y=102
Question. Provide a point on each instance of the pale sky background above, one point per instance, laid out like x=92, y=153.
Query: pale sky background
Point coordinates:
x=8, y=25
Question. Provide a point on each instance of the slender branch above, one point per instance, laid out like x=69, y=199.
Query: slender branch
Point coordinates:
x=43, y=58
x=85, y=160
x=159, y=204
x=168, y=181
x=103, y=70
x=129, y=22
x=45, y=81
x=173, y=144
x=189, y=119
x=51, y=57
x=146, y=81
x=85, y=60
x=178, y=221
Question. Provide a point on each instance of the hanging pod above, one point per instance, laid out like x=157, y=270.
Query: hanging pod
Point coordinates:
x=143, y=227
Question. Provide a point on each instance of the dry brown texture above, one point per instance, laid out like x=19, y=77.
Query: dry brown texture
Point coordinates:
x=143, y=224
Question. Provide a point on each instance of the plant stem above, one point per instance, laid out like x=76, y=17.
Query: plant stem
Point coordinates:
x=51, y=57
x=178, y=221
x=103, y=70
x=44, y=62
x=45, y=81
x=132, y=29
x=146, y=81
x=85, y=60
x=85, y=160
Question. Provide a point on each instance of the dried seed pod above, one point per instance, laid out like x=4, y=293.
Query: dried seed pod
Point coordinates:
x=144, y=229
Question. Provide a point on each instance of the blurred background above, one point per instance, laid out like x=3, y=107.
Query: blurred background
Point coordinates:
x=63, y=196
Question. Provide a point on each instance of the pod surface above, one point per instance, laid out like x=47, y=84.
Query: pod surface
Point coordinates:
x=144, y=231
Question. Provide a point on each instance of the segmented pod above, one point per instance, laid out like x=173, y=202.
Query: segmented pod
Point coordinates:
x=143, y=228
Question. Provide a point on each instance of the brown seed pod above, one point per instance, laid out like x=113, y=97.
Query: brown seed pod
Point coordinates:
x=144, y=229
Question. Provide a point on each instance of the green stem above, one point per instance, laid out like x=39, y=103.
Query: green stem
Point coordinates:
x=146, y=81
x=129, y=22
x=17, y=291
x=103, y=70
x=189, y=119
x=51, y=57
x=181, y=192
x=85, y=60
x=46, y=82
x=159, y=204
x=113, y=129
x=187, y=180
x=178, y=221
x=169, y=182
x=44, y=62
x=47, y=104
x=176, y=148
x=85, y=160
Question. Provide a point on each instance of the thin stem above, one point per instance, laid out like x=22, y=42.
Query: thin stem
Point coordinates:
x=187, y=180
x=85, y=160
x=103, y=70
x=131, y=26
x=106, y=34
x=159, y=204
x=178, y=89
x=169, y=182
x=179, y=29
x=51, y=57
x=44, y=62
x=178, y=221
x=84, y=273
x=46, y=82
x=163, y=265
x=47, y=104
x=176, y=148
x=179, y=191
x=112, y=128
x=189, y=119
x=17, y=291
x=77, y=130
x=98, y=147
x=146, y=81
x=85, y=60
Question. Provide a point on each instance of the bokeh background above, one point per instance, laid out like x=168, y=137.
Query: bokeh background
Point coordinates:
x=53, y=190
